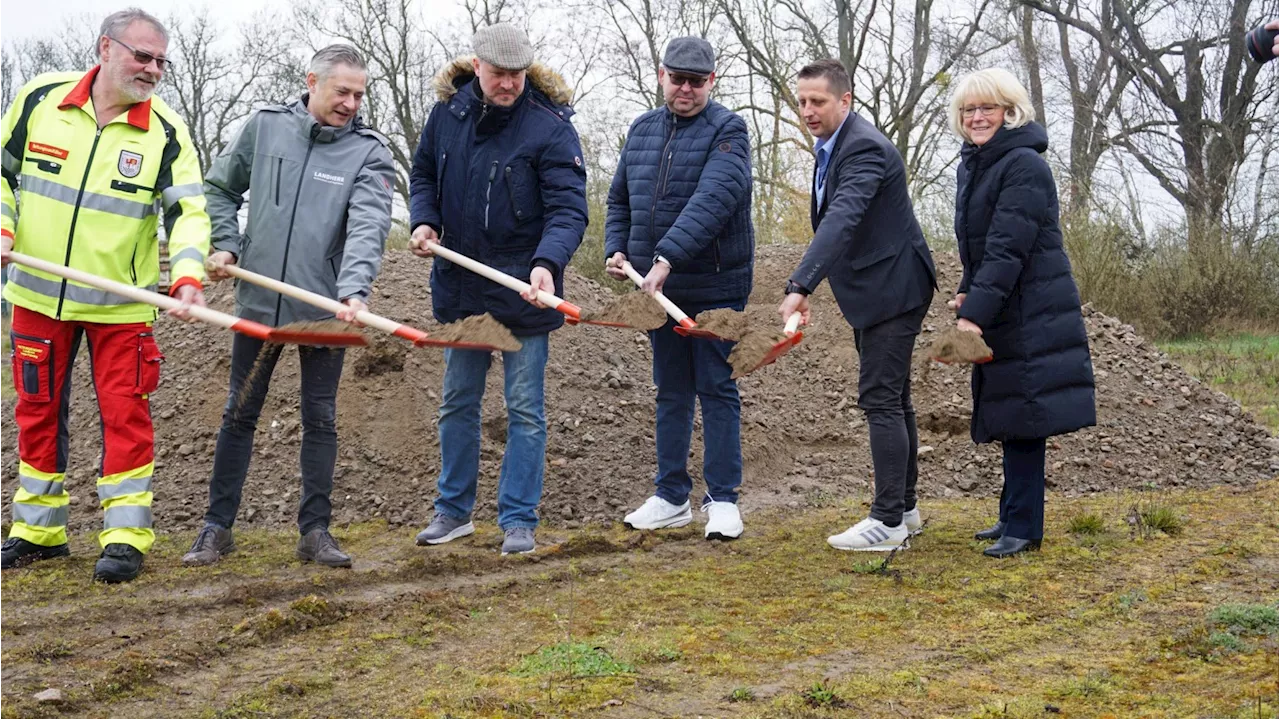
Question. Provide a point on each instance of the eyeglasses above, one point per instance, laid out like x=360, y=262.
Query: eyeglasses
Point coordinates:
x=694, y=81
x=985, y=110
x=146, y=58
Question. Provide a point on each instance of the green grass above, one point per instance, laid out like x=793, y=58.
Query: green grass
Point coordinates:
x=1258, y=619
x=1243, y=366
x=1086, y=524
x=574, y=658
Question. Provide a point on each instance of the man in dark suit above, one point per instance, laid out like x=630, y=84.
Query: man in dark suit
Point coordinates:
x=867, y=241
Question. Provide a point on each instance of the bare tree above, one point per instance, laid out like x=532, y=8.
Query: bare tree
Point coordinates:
x=1194, y=102
x=8, y=83
x=213, y=87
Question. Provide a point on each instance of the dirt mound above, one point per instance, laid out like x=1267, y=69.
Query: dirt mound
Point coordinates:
x=959, y=347
x=478, y=329
x=752, y=349
x=804, y=438
x=634, y=309
x=727, y=323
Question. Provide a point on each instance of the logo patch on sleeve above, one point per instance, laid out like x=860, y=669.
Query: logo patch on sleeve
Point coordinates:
x=725, y=147
x=50, y=150
x=129, y=164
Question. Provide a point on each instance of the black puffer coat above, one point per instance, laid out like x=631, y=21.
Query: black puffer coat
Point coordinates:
x=1020, y=292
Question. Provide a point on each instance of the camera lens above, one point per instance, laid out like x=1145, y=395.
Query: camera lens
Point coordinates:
x=1261, y=43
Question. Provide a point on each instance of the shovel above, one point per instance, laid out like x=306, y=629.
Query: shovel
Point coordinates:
x=684, y=326
x=568, y=309
x=781, y=347
x=204, y=314
x=414, y=335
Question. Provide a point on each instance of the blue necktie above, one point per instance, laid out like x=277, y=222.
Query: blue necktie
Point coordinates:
x=822, y=168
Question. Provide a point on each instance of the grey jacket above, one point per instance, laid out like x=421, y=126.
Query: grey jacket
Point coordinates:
x=319, y=210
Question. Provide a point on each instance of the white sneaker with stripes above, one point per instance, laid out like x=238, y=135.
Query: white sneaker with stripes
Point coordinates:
x=871, y=535
x=915, y=525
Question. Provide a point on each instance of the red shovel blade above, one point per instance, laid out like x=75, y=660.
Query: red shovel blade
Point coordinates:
x=984, y=360
x=317, y=339
x=780, y=348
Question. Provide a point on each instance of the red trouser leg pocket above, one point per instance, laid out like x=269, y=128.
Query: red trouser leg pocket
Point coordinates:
x=149, y=359
x=33, y=368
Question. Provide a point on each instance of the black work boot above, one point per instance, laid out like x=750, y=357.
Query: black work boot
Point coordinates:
x=18, y=552
x=320, y=547
x=211, y=544
x=118, y=563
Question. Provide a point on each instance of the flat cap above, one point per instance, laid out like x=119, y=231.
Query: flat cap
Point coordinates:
x=692, y=55
x=503, y=45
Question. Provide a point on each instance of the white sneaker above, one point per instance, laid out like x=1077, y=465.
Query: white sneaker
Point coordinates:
x=914, y=524
x=658, y=513
x=723, y=521
x=871, y=535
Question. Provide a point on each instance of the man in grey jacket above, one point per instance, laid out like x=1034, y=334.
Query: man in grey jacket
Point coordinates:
x=320, y=209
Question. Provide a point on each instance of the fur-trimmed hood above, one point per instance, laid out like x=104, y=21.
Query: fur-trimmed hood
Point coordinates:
x=542, y=78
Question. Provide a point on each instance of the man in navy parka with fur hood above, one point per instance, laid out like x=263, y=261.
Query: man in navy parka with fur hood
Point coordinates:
x=497, y=176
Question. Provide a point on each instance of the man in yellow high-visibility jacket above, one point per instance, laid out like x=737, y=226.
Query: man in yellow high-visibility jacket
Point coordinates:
x=94, y=160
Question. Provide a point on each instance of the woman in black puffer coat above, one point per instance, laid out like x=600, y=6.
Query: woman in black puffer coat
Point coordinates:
x=1018, y=293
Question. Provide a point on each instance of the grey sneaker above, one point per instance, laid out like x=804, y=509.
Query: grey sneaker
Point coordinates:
x=519, y=540
x=444, y=528
x=320, y=547
x=211, y=544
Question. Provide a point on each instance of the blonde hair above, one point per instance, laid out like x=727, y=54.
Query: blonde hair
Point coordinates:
x=995, y=85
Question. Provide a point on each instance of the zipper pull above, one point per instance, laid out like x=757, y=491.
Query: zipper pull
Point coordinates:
x=493, y=171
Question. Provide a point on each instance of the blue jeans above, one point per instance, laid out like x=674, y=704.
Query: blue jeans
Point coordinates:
x=685, y=369
x=520, y=482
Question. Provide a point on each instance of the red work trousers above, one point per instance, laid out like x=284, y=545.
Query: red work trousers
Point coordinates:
x=126, y=370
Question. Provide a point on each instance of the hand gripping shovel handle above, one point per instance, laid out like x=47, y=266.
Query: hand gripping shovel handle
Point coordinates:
x=568, y=309
x=687, y=326
x=364, y=317
x=138, y=294
x=676, y=313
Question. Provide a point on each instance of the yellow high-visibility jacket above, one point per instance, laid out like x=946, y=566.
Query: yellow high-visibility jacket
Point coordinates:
x=91, y=199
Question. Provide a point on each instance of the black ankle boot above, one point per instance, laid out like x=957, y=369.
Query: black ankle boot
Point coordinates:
x=995, y=531
x=118, y=563
x=18, y=552
x=1008, y=546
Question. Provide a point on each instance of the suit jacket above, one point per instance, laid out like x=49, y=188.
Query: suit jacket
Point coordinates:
x=865, y=236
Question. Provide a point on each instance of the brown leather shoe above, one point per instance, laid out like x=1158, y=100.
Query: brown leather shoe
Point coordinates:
x=320, y=547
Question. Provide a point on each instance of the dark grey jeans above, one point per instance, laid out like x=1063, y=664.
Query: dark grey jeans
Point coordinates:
x=321, y=369
x=884, y=395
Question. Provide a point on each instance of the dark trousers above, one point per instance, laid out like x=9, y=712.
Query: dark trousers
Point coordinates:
x=884, y=396
x=321, y=370
x=688, y=370
x=1022, y=497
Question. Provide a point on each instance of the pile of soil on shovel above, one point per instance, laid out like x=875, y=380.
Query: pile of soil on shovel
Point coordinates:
x=634, y=309
x=959, y=347
x=751, y=350
x=321, y=333
x=804, y=438
x=729, y=324
x=478, y=329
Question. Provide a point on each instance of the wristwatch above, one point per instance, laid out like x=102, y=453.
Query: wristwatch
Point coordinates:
x=792, y=287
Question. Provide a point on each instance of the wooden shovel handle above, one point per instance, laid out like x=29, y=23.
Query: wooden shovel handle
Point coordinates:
x=138, y=294
x=567, y=308
x=329, y=304
x=793, y=324
x=676, y=313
